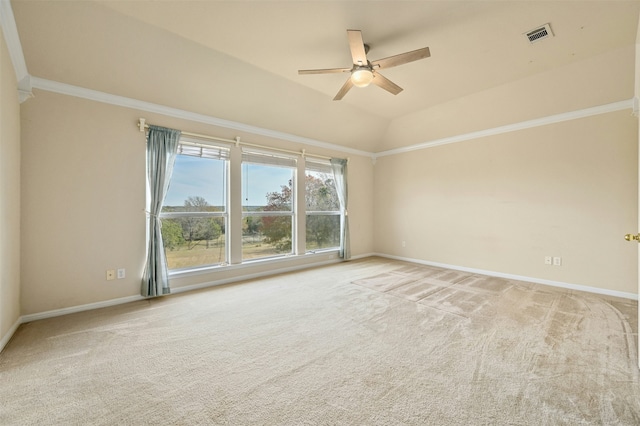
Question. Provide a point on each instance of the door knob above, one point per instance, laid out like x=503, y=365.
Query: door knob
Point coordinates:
x=631, y=237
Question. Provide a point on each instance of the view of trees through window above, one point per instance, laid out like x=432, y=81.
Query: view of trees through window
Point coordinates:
x=193, y=240
x=322, y=209
x=267, y=209
x=195, y=215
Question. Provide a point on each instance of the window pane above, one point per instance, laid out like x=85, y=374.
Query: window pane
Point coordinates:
x=264, y=236
x=323, y=232
x=194, y=241
x=266, y=188
x=320, y=192
x=197, y=185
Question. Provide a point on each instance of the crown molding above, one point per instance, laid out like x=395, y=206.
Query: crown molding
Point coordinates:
x=551, y=119
x=12, y=39
x=94, y=95
x=26, y=83
x=25, y=90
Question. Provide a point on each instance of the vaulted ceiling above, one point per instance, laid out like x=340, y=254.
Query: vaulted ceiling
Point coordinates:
x=238, y=60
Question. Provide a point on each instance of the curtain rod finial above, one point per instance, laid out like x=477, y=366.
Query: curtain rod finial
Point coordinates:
x=141, y=124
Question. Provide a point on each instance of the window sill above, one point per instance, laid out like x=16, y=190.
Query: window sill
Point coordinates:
x=282, y=261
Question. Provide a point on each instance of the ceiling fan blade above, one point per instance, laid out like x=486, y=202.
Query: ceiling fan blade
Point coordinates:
x=356, y=45
x=344, y=89
x=388, y=85
x=324, y=71
x=402, y=58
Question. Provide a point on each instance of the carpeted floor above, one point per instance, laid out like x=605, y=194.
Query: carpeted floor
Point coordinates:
x=367, y=342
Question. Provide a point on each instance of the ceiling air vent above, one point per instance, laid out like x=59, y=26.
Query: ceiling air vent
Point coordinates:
x=539, y=33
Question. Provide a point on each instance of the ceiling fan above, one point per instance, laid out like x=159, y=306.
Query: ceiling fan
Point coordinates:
x=364, y=72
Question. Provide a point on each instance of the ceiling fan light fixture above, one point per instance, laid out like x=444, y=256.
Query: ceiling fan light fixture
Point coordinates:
x=361, y=77
x=364, y=72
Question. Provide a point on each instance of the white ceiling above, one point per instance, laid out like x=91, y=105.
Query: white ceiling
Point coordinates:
x=474, y=46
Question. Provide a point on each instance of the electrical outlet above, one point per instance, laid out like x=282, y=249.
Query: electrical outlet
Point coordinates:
x=404, y=243
x=548, y=260
x=111, y=274
x=557, y=261
x=121, y=273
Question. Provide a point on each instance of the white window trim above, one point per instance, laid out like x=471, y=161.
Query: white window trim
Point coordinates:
x=224, y=150
x=234, y=212
x=312, y=166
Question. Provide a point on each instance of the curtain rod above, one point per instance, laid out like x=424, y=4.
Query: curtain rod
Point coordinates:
x=143, y=126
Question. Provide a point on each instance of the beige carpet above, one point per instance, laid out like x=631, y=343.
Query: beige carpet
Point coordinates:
x=368, y=342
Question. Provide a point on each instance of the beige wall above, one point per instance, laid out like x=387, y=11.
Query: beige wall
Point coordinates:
x=499, y=203
x=84, y=195
x=502, y=203
x=9, y=195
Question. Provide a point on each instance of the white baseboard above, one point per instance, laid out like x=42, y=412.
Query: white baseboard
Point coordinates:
x=79, y=308
x=362, y=256
x=560, y=284
x=174, y=290
x=5, y=339
x=106, y=303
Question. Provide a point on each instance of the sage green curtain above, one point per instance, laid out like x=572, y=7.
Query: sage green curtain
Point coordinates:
x=162, y=146
x=339, y=167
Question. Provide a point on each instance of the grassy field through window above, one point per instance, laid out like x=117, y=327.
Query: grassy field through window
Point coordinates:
x=204, y=253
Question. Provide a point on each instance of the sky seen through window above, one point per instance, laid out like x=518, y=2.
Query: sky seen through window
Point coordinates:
x=203, y=177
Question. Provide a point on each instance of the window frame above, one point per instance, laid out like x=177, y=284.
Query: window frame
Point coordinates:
x=272, y=159
x=206, y=152
x=234, y=214
x=320, y=166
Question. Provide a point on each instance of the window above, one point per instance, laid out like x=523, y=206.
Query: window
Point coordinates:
x=267, y=205
x=195, y=214
x=229, y=204
x=322, y=207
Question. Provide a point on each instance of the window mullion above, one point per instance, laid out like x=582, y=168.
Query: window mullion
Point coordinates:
x=235, y=205
x=321, y=212
x=267, y=213
x=171, y=215
x=300, y=222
